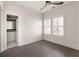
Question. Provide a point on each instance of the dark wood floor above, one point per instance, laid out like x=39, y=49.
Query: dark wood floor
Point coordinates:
x=40, y=49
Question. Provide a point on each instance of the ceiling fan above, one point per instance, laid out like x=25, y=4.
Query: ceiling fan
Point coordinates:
x=52, y=3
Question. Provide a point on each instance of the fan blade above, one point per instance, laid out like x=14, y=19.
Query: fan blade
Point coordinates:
x=44, y=6
x=57, y=3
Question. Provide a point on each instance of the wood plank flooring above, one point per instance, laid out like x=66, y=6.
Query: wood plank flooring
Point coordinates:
x=40, y=49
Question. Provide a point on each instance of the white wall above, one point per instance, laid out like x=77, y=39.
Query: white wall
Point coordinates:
x=0, y=29
x=29, y=24
x=71, y=25
x=1, y=7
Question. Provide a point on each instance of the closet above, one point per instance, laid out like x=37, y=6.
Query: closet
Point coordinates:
x=11, y=30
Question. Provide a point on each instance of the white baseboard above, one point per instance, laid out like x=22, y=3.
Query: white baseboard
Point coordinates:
x=28, y=42
x=62, y=44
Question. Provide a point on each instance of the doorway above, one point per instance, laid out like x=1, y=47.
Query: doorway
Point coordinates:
x=11, y=30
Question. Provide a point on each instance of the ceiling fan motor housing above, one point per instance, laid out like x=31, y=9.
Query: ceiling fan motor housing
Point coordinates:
x=55, y=2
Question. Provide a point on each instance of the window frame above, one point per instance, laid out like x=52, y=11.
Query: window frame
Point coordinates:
x=57, y=26
x=51, y=26
x=47, y=27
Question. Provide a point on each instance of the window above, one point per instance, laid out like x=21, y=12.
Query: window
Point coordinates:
x=58, y=26
x=47, y=26
x=54, y=26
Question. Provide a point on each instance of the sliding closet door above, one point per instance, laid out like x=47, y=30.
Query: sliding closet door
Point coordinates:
x=11, y=31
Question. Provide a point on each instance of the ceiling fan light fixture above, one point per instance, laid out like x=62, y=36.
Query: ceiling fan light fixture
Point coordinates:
x=57, y=3
x=52, y=3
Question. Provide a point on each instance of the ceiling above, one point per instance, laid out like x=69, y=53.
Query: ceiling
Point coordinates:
x=33, y=5
x=37, y=5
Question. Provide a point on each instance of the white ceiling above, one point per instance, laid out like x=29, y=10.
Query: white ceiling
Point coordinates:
x=37, y=5
x=33, y=5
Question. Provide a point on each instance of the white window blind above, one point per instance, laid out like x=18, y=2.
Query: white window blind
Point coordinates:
x=58, y=26
x=47, y=26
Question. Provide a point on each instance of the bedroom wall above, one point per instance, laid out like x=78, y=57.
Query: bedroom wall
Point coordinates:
x=29, y=24
x=0, y=29
x=1, y=26
x=71, y=28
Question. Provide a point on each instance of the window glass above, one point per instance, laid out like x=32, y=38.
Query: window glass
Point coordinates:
x=61, y=21
x=47, y=30
x=47, y=23
x=47, y=26
x=55, y=22
x=58, y=26
x=60, y=31
x=55, y=31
